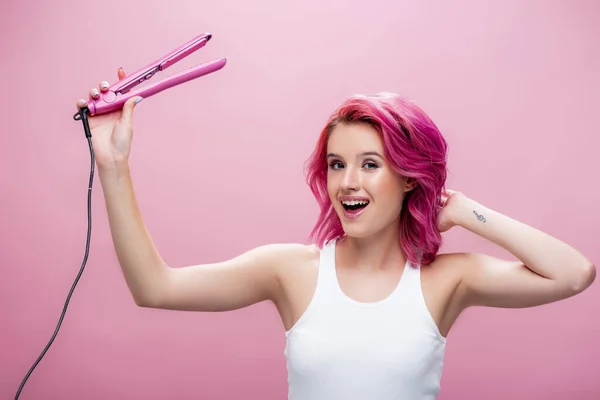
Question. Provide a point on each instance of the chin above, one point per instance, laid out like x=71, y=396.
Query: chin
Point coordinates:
x=357, y=230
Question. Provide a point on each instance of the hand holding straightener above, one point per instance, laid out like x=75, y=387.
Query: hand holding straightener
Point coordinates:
x=111, y=106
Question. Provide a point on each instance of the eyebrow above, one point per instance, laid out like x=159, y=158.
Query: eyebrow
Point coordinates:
x=366, y=153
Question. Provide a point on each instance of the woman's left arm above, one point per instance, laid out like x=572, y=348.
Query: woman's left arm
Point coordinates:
x=547, y=269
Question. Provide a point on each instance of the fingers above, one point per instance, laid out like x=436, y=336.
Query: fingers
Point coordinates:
x=81, y=103
x=102, y=88
x=94, y=93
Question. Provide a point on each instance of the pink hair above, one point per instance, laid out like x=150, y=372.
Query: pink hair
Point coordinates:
x=414, y=147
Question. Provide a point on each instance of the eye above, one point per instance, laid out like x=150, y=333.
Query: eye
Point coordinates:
x=335, y=165
x=370, y=165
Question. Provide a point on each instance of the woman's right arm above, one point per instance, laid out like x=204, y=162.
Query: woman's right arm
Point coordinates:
x=249, y=278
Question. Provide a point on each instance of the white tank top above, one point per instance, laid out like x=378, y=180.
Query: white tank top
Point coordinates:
x=344, y=349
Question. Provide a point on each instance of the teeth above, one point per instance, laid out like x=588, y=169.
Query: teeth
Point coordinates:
x=355, y=202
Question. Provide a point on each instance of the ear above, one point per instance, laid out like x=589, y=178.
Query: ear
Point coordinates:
x=411, y=183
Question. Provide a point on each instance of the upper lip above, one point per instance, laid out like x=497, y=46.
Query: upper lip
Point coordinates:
x=352, y=198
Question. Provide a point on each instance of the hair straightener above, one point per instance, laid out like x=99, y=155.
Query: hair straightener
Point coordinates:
x=118, y=93
x=113, y=99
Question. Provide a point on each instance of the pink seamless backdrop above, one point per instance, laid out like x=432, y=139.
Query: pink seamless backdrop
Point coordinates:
x=218, y=169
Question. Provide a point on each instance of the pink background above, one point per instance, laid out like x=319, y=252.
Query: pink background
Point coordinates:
x=513, y=85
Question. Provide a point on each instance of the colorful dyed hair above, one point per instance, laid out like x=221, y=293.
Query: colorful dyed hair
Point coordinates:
x=414, y=147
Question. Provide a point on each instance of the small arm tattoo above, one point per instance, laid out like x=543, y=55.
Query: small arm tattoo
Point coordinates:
x=480, y=217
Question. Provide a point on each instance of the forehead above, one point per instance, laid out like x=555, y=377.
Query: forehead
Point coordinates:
x=348, y=140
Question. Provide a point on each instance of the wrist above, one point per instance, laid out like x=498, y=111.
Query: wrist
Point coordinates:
x=466, y=210
x=115, y=169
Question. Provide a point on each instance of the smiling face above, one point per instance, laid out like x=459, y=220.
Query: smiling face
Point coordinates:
x=365, y=191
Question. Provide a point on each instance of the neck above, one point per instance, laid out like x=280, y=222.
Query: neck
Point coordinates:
x=376, y=252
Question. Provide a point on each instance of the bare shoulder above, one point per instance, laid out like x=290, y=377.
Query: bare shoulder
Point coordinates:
x=440, y=281
x=286, y=257
x=289, y=262
x=295, y=260
x=293, y=251
x=282, y=255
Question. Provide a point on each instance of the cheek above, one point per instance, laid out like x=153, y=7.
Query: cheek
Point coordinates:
x=388, y=185
x=388, y=192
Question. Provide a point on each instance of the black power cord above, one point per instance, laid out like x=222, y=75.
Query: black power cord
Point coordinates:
x=80, y=115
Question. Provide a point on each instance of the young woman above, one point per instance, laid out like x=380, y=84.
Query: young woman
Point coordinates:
x=367, y=308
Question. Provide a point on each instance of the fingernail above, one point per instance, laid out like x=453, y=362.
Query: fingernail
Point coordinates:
x=104, y=85
x=139, y=99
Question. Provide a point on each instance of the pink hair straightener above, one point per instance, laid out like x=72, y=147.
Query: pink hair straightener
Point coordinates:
x=120, y=92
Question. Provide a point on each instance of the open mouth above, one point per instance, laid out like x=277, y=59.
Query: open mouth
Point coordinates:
x=355, y=205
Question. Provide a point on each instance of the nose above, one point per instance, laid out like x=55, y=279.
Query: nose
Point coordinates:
x=350, y=180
